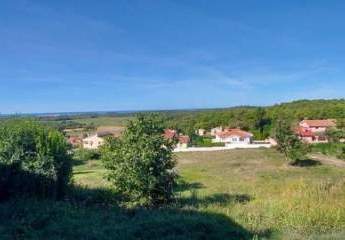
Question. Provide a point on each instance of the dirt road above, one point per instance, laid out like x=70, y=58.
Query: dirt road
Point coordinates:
x=324, y=159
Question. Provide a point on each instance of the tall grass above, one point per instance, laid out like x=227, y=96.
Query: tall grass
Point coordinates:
x=333, y=149
x=301, y=207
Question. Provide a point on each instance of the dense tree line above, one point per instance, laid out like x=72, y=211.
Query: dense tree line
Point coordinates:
x=259, y=120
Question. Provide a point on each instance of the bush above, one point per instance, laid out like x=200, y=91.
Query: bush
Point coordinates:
x=341, y=155
x=332, y=148
x=199, y=141
x=83, y=154
x=34, y=160
x=140, y=164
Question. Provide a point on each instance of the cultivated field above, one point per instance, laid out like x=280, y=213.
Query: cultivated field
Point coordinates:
x=105, y=121
x=258, y=190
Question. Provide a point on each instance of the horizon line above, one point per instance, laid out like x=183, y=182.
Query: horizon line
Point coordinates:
x=61, y=113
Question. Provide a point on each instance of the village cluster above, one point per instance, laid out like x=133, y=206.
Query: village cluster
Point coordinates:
x=309, y=131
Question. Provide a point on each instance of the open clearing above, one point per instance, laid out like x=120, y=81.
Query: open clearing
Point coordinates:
x=105, y=121
x=257, y=190
x=236, y=194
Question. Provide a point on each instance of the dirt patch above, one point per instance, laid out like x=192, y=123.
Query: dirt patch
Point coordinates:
x=328, y=160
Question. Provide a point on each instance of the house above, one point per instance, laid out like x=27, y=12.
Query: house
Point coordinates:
x=170, y=133
x=75, y=141
x=314, y=131
x=201, y=132
x=182, y=140
x=96, y=140
x=216, y=130
x=233, y=136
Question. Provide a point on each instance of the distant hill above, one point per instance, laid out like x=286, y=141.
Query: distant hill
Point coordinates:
x=334, y=108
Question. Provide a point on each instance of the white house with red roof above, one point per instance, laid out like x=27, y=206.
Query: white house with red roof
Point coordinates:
x=314, y=131
x=233, y=136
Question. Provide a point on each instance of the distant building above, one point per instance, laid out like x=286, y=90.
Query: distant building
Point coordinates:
x=96, y=140
x=201, y=132
x=170, y=133
x=313, y=131
x=233, y=136
x=216, y=130
x=75, y=141
x=182, y=140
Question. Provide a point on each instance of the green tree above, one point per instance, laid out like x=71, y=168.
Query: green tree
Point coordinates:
x=34, y=159
x=334, y=134
x=341, y=124
x=288, y=143
x=140, y=164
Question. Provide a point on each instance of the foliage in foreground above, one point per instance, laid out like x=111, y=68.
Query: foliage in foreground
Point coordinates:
x=45, y=219
x=34, y=160
x=141, y=164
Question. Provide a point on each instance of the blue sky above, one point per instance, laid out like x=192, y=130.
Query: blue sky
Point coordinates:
x=83, y=55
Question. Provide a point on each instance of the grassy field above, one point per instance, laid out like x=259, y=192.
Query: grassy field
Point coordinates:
x=104, y=121
x=236, y=194
x=258, y=190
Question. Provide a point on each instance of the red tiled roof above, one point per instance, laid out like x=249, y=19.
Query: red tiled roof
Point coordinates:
x=320, y=123
x=304, y=132
x=74, y=140
x=183, y=139
x=170, y=133
x=234, y=132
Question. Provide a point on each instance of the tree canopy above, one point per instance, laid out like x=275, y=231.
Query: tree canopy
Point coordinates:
x=140, y=164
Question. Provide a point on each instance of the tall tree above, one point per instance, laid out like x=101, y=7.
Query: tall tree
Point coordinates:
x=288, y=143
x=140, y=164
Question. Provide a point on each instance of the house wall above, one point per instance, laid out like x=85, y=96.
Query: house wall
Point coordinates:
x=232, y=139
x=201, y=132
x=182, y=145
x=92, y=142
x=216, y=130
x=315, y=139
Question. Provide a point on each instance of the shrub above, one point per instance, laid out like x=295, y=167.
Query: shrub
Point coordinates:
x=199, y=141
x=141, y=164
x=83, y=154
x=331, y=148
x=341, y=155
x=34, y=159
x=334, y=135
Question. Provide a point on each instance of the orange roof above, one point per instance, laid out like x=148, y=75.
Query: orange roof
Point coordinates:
x=304, y=132
x=170, y=133
x=320, y=123
x=234, y=132
x=183, y=139
x=74, y=140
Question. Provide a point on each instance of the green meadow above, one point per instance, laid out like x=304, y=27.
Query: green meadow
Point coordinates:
x=236, y=194
x=105, y=121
